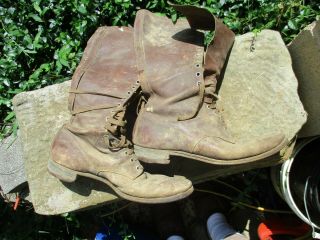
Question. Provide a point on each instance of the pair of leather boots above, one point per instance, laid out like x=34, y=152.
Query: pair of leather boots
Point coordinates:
x=164, y=67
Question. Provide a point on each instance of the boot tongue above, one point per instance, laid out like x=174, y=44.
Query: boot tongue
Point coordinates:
x=218, y=48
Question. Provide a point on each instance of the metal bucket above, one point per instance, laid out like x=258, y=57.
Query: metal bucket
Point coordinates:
x=297, y=181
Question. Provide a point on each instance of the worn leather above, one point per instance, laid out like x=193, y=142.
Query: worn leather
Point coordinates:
x=94, y=142
x=180, y=79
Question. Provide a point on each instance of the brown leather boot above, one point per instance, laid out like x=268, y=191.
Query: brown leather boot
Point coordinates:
x=94, y=143
x=180, y=79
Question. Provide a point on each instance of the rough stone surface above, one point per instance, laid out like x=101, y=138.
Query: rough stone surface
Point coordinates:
x=259, y=96
x=40, y=114
x=305, y=53
x=12, y=172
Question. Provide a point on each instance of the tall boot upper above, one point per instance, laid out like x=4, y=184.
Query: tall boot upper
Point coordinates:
x=180, y=76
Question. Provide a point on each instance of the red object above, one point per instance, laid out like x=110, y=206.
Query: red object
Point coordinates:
x=289, y=227
x=16, y=203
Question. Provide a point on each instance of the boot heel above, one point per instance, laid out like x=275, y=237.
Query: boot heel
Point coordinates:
x=149, y=155
x=63, y=173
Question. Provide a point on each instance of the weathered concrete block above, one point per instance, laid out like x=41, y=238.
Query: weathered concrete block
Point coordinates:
x=305, y=53
x=259, y=96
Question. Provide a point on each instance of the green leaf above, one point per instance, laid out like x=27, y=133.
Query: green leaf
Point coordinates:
x=9, y=116
x=16, y=33
x=29, y=51
x=82, y=9
x=292, y=24
x=7, y=21
x=64, y=62
x=37, y=7
x=6, y=82
x=36, y=40
x=36, y=17
x=174, y=17
x=15, y=128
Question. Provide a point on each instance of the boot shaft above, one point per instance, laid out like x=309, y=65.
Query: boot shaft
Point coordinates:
x=105, y=79
x=168, y=62
x=173, y=67
x=102, y=86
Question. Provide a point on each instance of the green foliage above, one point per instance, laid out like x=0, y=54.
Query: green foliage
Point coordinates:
x=42, y=40
x=117, y=221
x=24, y=223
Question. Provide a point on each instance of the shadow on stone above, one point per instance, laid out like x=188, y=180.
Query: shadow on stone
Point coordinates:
x=85, y=186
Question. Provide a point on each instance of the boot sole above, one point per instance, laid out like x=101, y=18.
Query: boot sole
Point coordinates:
x=68, y=175
x=147, y=153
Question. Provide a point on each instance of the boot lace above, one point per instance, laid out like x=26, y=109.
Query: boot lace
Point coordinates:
x=207, y=95
x=114, y=137
x=210, y=97
x=115, y=130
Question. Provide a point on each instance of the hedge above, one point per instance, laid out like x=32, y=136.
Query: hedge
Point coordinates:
x=42, y=40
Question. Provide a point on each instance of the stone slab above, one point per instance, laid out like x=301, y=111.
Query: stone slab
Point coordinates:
x=305, y=53
x=12, y=173
x=258, y=95
x=40, y=114
x=265, y=99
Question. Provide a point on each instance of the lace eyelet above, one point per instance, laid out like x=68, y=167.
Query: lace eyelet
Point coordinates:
x=137, y=167
x=198, y=83
x=197, y=65
x=137, y=82
x=129, y=92
x=126, y=152
x=198, y=74
x=131, y=160
x=208, y=107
